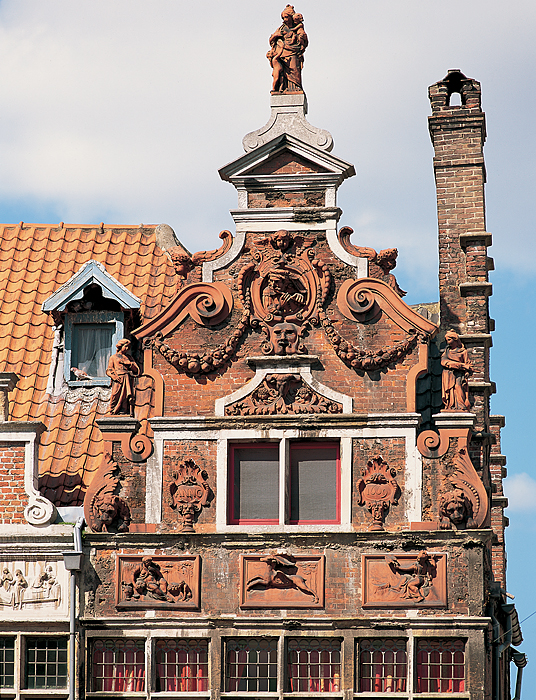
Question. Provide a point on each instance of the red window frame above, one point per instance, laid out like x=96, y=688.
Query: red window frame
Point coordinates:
x=230, y=516
x=316, y=446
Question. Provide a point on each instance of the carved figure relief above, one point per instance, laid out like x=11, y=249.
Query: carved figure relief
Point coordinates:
x=184, y=263
x=380, y=264
x=122, y=369
x=287, y=46
x=283, y=394
x=456, y=371
x=466, y=505
x=104, y=509
x=282, y=581
x=158, y=582
x=31, y=585
x=378, y=490
x=190, y=493
x=404, y=580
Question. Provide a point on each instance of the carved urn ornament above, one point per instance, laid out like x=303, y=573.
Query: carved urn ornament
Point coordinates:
x=190, y=493
x=378, y=490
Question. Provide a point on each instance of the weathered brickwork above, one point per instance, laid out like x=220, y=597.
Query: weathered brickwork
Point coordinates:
x=13, y=498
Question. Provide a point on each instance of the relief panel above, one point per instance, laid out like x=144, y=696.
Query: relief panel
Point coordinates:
x=417, y=580
x=282, y=581
x=38, y=589
x=164, y=582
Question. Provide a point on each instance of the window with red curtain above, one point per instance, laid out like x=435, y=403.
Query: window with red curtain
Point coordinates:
x=440, y=666
x=181, y=665
x=251, y=665
x=118, y=665
x=314, y=665
x=383, y=665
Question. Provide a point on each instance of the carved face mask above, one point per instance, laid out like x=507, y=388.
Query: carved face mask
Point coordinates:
x=284, y=338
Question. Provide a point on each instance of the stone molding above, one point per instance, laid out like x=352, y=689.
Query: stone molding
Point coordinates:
x=303, y=219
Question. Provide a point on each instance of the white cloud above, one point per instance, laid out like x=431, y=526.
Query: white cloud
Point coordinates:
x=520, y=490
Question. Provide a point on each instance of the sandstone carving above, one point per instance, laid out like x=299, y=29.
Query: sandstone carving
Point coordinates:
x=404, y=580
x=456, y=370
x=282, y=581
x=466, y=481
x=41, y=588
x=190, y=493
x=282, y=394
x=122, y=369
x=282, y=339
x=380, y=264
x=157, y=582
x=287, y=46
x=378, y=490
x=183, y=263
x=455, y=511
x=104, y=510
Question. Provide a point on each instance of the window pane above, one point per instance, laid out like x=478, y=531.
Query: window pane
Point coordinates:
x=92, y=347
x=182, y=665
x=7, y=662
x=440, y=666
x=44, y=666
x=251, y=665
x=314, y=483
x=255, y=483
x=382, y=666
x=314, y=665
x=118, y=665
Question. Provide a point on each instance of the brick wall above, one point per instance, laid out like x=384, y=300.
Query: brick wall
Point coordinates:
x=13, y=498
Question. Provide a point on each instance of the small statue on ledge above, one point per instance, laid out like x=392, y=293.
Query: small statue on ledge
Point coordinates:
x=122, y=369
x=456, y=371
x=288, y=45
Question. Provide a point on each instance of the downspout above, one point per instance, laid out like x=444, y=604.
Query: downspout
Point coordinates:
x=496, y=657
x=73, y=562
x=520, y=661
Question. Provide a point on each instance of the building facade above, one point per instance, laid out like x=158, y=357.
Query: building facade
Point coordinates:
x=290, y=485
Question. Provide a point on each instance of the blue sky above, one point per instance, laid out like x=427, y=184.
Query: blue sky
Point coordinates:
x=123, y=112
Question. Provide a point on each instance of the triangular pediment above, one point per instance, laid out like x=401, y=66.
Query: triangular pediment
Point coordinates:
x=92, y=272
x=286, y=156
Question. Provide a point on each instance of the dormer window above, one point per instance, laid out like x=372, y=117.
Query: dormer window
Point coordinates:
x=92, y=306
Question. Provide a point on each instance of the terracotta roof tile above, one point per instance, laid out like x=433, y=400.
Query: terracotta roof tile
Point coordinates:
x=35, y=261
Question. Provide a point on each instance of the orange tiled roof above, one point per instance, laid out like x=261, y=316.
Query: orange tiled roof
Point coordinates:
x=35, y=260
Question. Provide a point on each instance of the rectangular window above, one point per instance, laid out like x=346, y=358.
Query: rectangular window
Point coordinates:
x=118, y=665
x=382, y=666
x=313, y=477
x=7, y=662
x=251, y=665
x=314, y=665
x=314, y=483
x=92, y=347
x=255, y=483
x=181, y=665
x=46, y=662
x=440, y=666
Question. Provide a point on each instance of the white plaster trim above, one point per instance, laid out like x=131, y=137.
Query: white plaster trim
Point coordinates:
x=288, y=368
x=234, y=251
x=154, y=484
x=290, y=218
x=360, y=264
x=39, y=511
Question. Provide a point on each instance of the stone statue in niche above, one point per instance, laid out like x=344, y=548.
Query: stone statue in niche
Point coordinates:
x=122, y=369
x=190, y=493
x=404, y=580
x=282, y=581
x=455, y=511
x=157, y=582
x=287, y=46
x=104, y=509
x=456, y=370
x=378, y=490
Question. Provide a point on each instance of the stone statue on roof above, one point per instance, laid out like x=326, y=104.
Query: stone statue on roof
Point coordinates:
x=122, y=369
x=288, y=44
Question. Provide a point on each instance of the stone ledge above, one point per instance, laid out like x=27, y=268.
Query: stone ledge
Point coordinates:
x=477, y=339
x=470, y=236
x=476, y=288
x=489, y=387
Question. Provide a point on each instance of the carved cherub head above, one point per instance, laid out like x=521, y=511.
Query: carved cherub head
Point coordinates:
x=455, y=511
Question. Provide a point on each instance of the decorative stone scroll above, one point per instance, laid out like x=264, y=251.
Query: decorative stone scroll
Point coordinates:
x=417, y=580
x=183, y=262
x=282, y=581
x=466, y=505
x=283, y=394
x=164, y=582
x=104, y=509
x=33, y=587
x=190, y=493
x=378, y=490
